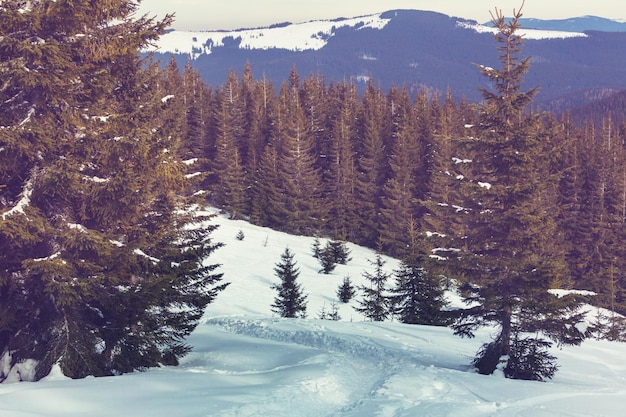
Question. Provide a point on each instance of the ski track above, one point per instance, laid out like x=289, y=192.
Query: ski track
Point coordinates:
x=362, y=373
x=371, y=369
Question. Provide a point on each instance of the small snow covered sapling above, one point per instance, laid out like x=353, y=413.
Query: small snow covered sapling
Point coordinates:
x=333, y=314
x=240, y=235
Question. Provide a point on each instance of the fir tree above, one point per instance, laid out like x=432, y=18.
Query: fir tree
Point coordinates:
x=327, y=260
x=290, y=301
x=346, y=290
x=512, y=252
x=399, y=203
x=231, y=175
x=339, y=252
x=102, y=270
x=335, y=252
x=418, y=296
x=375, y=304
x=316, y=247
x=341, y=182
x=299, y=177
x=372, y=165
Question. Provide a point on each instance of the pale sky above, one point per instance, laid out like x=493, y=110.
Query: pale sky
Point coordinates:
x=235, y=14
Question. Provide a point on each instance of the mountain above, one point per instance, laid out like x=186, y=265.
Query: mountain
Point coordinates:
x=577, y=24
x=248, y=362
x=418, y=49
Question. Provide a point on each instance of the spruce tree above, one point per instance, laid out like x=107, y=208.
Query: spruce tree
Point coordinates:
x=512, y=257
x=418, y=295
x=290, y=301
x=341, y=181
x=372, y=165
x=102, y=263
x=230, y=173
x=346, y=290
x=375, y=304
x=399, y=203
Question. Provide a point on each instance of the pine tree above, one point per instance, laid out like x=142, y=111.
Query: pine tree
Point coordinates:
x=327, y=260
x=299, y=177
x=346, y=290
x=418, y=296
x=231, y=177
x=512, y=257
x=102, y=269
x=290, y=301
x=341, y=181
x=400, y=191
x=375, y=304
x=196, y=148
x=371, y=166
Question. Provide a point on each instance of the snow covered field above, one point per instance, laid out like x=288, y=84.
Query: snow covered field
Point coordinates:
x=248, y=362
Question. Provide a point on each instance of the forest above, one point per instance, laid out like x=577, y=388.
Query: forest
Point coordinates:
x=104, y=155
x=379, y=170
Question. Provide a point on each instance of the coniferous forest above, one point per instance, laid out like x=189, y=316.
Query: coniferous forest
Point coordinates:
x=103, y=154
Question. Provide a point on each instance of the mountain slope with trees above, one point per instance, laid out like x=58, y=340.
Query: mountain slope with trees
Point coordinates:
x=103, y=154
x=418, y=49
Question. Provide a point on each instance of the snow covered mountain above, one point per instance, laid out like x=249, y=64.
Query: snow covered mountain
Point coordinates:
x=402, y=47
x=248, y=362
x=309, y=36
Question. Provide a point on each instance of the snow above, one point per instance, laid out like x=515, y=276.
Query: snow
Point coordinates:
x=248, y=362
x=141, y=253
x=311, y=35
x=562, y=293
x=23, y=202
x=534, y=34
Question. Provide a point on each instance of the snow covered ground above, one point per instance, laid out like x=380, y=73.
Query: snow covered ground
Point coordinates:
x=248, y=362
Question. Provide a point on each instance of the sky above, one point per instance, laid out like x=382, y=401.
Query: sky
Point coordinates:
x=236, y=14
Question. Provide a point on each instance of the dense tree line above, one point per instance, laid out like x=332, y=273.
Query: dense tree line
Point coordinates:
x=315, y=158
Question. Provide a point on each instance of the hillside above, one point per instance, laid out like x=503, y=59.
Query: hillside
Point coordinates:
x=403, y=47
x=248, y=362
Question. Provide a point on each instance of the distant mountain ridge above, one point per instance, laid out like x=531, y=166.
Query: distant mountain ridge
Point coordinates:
x=576, y=24
x=417, y=49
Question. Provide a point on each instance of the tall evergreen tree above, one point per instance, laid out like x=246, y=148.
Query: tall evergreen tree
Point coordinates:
x=511, y=258
x=300, y=178
x=231, y=177
x=398, y=212
x=341, y=182
x=372, y=165
x=198, y=106
x=101, y=270
x=290, y=301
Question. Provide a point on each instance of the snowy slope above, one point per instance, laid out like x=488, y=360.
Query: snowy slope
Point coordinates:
x=248, y=362
x=311, y=35
x=294, y=37
x=534, y=34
